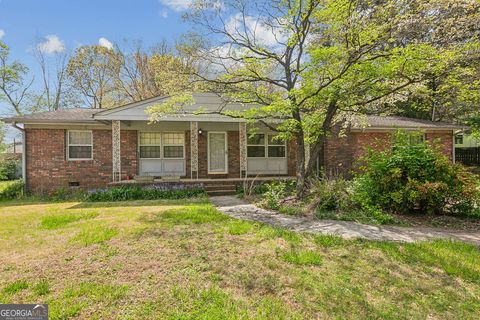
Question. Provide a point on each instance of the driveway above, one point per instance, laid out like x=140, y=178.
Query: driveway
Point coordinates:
x=241, y=209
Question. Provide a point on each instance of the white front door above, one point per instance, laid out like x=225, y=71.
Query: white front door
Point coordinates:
x=217, y=152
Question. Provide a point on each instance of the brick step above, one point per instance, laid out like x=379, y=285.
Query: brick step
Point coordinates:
x=221, y=192
x=220, y=187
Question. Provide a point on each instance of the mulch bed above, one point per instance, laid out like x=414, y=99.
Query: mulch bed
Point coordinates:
x=443, y=222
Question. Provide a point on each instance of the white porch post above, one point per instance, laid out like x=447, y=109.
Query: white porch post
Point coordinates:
x=242, y=128
x=194, y=149
x=116, y=160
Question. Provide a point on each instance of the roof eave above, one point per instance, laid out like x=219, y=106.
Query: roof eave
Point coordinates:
x=39, y=121
x=440, y=128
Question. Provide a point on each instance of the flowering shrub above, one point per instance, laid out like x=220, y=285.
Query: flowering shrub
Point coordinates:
x=414, y=177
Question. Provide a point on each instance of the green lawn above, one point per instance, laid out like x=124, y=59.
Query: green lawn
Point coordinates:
x=185, y=260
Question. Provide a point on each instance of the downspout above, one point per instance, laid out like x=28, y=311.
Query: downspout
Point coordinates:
x=24, y=156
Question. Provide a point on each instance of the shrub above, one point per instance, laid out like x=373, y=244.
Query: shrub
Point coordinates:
x=331, y=194
x=276, y=191
x=11, y=190
x=338, y=199
x=124, y=193
x=9, y=168
x=415, y=177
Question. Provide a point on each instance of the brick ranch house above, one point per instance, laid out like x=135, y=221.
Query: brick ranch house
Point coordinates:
x=94, y=148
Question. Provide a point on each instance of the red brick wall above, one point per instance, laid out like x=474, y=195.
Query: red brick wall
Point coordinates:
x=48, y=169
x=442, y=140
x=344, y=153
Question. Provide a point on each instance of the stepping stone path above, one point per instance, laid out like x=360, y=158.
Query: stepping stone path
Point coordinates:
x=241, y=209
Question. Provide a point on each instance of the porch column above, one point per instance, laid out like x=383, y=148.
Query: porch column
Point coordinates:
x=194, y=149
x=242, y=128
x=116, y=160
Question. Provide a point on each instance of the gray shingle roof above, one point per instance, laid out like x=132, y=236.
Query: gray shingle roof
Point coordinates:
x=83, y=115
x=65, y=115
x=363, y=122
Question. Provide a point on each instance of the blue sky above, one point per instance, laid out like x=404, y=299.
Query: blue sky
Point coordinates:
x=71, y=23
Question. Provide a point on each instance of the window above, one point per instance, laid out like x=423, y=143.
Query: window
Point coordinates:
x=173, y=143
x=276, y=147
x=258, y=146
x=151, y=144
x=80, y=145
x=459, y=139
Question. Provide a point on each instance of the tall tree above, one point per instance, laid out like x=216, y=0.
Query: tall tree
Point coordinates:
x=14, y=86
x=451, y=93
x=308, y=62
x=56, y=91
x=148, y=73
x=92, y=70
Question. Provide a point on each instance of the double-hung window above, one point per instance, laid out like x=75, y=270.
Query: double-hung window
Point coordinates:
x=173, y=144
x=265, y=146
x=158, y=145
x=150, y=145
x=79, y=145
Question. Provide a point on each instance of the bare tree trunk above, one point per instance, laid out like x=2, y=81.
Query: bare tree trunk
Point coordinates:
x=300, y=165
x=318, y=150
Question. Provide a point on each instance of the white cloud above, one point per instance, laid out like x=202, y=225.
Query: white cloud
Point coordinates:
x=177, y=5
x=104, y=42
x=163, y=13
x=2, y=33
x=51, y=44
x=255, y=29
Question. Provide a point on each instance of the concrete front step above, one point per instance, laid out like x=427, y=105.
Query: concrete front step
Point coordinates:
x=227, y=192
x=220, y=187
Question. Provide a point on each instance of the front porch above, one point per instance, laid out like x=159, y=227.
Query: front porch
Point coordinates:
x=193, y=145
x=197, y=150
x=213, y=187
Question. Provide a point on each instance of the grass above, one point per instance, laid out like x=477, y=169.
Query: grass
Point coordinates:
x=95, y=234
x=61, y=220
x=182, y=259
x=15, y=286
x=302, y=257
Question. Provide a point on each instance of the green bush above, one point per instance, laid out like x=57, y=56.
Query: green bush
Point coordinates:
x=276, y=191
x=9, y=169
x=11, y=190
x=124, y=193
x=337, y=199
x=414, y=177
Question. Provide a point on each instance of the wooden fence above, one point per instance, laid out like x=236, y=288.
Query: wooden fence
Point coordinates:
x=468, y=156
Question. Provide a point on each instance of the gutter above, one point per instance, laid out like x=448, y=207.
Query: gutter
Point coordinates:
x=24, y=156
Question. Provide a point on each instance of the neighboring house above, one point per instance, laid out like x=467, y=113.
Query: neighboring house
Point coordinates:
x=91, y=148
x=465, y=140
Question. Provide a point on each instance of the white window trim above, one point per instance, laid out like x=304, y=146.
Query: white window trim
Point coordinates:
x=226, y=153
x=79, y=145
x=161, y=145
x=266, y=145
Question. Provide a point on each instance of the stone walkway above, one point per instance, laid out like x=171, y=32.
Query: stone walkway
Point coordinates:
x=240, y=209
